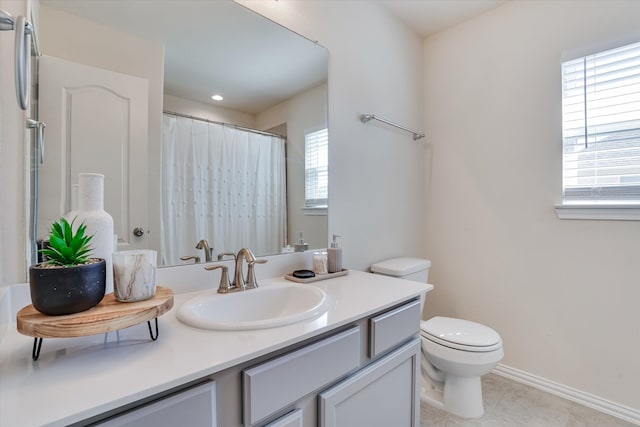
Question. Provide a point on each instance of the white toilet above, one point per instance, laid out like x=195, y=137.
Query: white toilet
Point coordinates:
x=455, y=352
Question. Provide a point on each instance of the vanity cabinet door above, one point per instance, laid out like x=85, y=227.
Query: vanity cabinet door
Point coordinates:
x=389, y=329
x=292, y=419
x=385, y=393
x=278, y=383
x=195, y=407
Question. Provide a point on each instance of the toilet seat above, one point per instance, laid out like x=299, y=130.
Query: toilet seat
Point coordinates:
x=460, y=334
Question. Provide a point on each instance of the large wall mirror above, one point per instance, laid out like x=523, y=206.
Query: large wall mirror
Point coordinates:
x=125, y=90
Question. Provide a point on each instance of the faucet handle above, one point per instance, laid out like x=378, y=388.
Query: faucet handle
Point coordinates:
x=222, y=255
x=196, y=259
x=224, y=286
x=251, y=282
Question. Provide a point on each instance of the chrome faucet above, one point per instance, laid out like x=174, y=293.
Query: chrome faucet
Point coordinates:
x=251, y=282
x=203, y=244
x=238, y=283
x=238, y=278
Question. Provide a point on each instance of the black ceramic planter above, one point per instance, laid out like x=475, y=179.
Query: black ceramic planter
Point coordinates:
x=67, y=290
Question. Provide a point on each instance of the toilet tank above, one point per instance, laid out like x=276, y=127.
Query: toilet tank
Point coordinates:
x=416, y=269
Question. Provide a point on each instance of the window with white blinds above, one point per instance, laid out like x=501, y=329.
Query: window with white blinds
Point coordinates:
x=316, y=161
x=601, y=127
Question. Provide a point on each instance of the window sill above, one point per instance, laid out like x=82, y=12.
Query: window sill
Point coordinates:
x=316, y=211
x=599, y=212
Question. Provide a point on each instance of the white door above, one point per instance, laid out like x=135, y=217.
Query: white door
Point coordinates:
x=96, y=122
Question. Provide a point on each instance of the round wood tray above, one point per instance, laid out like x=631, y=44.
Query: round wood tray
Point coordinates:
x=109, y=315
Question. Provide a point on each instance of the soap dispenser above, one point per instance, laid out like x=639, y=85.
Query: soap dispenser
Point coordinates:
x=334, y=254
x=301, y=246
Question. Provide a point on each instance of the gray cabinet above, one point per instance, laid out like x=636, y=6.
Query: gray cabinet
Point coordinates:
x=367, y=375
x=292, y=419
x=364, y=373
x=273, y=385
x=390, y=328
x=196, y=404
x=385, y=393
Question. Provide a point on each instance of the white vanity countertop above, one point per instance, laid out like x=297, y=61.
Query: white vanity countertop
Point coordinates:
x=77, y=378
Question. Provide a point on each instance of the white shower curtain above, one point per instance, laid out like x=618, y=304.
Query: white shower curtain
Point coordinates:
x=221, y=184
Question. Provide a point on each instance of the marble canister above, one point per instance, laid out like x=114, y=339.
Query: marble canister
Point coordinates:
x=134, y=275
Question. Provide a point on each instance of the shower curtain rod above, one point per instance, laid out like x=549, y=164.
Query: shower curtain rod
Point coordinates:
x=259, y=132
x=364, y=118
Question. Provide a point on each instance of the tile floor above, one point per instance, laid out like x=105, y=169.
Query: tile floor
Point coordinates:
x=511, y=404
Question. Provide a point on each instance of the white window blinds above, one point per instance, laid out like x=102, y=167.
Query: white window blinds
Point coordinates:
x=316, y=160
x=601, y=127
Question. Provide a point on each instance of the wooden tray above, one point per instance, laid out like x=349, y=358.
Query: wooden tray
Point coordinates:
x=109, y=315
x=344, y=272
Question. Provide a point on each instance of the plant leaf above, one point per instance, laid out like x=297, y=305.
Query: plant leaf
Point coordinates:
x=56, y=230
x=67, y=247
x=68, y=231
x=57, y=242
x=67, y=252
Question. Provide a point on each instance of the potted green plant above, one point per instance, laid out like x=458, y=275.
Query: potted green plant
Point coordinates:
x=69, y=280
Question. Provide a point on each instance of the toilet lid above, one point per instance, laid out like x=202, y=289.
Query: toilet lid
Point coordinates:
x=400, y=267
x=461, y=333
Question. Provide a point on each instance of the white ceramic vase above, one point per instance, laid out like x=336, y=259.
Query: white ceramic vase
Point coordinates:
x=69, y=216
x=98, y=222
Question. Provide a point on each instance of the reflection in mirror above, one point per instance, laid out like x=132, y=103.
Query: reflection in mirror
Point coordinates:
x=131, y=98
x=221, y=182
x=36, y=141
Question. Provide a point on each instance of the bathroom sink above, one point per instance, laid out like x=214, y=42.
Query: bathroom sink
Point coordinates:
x=269, y=306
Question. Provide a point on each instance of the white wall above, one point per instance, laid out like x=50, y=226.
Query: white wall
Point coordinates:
x=207, y=111
x=304, y=112
x=564, y=295
x=376, y=179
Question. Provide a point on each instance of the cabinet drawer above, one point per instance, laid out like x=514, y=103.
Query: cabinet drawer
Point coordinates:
x=277, y=383
x=389, y=329
x=197, y=404
x=292, y=419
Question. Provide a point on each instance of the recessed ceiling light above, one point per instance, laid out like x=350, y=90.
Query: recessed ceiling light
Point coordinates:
x=217, y=97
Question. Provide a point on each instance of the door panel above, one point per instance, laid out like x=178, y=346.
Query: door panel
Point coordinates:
x=97, y=121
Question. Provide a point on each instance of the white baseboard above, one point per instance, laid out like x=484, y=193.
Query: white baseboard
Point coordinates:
x=594, y=402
